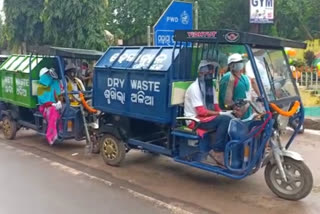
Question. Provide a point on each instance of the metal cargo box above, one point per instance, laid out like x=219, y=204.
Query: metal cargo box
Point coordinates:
x=17, y=75
x=134, y=82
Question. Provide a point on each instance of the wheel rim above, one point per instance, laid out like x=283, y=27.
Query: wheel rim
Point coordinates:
x=110, y=148
x=6, y=127
x=295, y=180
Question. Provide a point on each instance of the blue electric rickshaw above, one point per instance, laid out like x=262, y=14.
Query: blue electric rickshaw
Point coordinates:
x=140, y=92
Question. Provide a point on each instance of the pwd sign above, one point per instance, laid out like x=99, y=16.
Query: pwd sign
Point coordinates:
x=164, y=38
x=178, y=16
x=262, y=11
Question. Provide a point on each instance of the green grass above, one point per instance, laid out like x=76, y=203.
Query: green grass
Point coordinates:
x=309, y=100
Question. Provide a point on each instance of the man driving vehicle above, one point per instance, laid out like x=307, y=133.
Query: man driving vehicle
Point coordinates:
x=73, y=84
x=201, y=102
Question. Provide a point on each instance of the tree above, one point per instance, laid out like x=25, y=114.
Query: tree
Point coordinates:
x=298, y=20
x=219, y=14
x=72, y=23
x=312, y=17
x=22, y=24
x=81, y=23
x=75, y=23
x=3, y=41
x=309, y=57
x=298, y=63
x=129, y=18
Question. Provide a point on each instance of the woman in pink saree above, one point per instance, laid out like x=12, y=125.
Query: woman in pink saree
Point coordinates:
x=49, y=90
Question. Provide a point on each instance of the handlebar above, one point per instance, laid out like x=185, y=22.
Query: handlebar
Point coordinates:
x=78, y=92
x=83, y=101
x=85, y=104
x=242, y=102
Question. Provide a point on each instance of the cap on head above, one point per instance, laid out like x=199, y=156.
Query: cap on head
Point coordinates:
x=204, y=63
x=85, y=64
x=235, y=58
x=70, y=66
x=43, y=71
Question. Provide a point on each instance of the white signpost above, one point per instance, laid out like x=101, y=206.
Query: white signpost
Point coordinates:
x=261, y=11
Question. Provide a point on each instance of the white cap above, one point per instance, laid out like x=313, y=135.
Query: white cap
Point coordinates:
x=43, y=71
x=70, y=66
x=205, y=63
x=235, y=58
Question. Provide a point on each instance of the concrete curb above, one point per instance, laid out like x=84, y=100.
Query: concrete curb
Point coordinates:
x=312, y=123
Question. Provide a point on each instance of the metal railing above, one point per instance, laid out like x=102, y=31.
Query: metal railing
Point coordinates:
x=308, y=77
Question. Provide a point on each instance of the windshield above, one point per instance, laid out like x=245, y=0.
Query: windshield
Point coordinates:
x=272, y=66
x=275, y=73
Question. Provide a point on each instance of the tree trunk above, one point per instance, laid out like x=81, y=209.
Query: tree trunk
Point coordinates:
x=305, y=29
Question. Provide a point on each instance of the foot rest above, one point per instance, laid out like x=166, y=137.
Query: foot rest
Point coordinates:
x=37, y=114
x=185, y=134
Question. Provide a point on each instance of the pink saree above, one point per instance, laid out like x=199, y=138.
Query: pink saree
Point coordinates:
x=51, y=115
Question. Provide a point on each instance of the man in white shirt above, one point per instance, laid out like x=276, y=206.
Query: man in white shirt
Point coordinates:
x=255, y=93
x=201, y=102
x=263, y=75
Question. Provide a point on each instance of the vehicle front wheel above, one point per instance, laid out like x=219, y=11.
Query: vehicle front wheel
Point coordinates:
x=9, y=127
x=112, y=150
x=299, y=179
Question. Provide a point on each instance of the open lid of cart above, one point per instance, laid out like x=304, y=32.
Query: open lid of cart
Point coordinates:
x=235, y=37
x=137, y=58
x=76, y=53
x=21, y=63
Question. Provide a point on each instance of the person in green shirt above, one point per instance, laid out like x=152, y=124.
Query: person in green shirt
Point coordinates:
x=235, y=85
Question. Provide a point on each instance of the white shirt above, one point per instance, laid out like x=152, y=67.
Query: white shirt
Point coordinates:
x=193, y=98
x=262, y=72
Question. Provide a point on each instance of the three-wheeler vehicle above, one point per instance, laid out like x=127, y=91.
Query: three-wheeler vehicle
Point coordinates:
x=140, y=92
x=18, y=95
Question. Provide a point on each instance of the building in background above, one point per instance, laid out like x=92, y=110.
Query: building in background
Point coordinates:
x=312, y=45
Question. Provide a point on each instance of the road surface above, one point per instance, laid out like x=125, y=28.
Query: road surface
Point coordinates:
x=179, y=188
x=34, y=185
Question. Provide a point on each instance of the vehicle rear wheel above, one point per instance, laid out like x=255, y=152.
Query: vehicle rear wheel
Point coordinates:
x=9, y=127
x=112, y=150
x=299, y=179
x=2, y=107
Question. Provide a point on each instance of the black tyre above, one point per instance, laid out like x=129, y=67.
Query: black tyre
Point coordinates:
x=2, y=107
x=300, y=180
x=9, y=128
x=112, y=150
